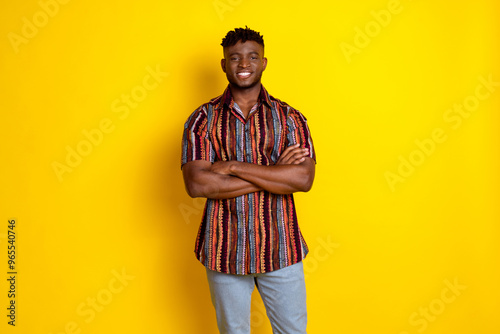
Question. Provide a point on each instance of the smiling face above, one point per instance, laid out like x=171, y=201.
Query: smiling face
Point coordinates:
x=243, y=64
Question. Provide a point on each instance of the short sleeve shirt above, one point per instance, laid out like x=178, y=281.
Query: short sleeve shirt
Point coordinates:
x=257, y=232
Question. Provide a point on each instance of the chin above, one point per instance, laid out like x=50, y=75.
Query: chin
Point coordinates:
x=244, y=85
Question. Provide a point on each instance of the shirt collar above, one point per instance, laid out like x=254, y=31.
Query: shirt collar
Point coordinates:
x=227, y=97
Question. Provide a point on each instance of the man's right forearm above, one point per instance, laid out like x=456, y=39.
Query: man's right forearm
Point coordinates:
x=201, y=182
x=204, y=179
x=226, y=186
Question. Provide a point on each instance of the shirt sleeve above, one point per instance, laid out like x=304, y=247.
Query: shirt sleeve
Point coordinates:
x=195, y=142
x=298, y=132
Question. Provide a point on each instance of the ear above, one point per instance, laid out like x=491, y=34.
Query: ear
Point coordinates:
x=223, y=64
x=264, y=63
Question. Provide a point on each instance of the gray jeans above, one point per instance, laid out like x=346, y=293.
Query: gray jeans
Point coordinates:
x=283, y=292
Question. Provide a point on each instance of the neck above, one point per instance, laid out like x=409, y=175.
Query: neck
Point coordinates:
x=245, y=96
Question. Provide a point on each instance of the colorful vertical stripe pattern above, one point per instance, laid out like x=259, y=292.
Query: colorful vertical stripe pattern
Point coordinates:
x=256, y=232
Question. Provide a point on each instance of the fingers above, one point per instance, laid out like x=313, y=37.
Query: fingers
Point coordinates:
x=293, y=155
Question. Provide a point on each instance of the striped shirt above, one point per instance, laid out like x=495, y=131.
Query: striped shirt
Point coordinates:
x=256, y=232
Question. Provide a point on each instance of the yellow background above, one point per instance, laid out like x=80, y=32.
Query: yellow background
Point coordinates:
x=380, y=255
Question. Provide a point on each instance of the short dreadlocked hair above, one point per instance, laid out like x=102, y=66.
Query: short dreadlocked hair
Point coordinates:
x=243, y=35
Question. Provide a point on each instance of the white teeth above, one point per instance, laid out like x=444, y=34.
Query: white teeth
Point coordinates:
x=244, y=74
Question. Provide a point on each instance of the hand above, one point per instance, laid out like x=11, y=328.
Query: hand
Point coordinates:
x=293, y=155
x=221, y=167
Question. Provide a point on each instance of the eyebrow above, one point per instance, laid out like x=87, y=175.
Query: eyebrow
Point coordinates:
x=237, y=53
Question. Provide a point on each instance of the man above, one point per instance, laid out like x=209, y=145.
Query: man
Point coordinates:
x=247, y=152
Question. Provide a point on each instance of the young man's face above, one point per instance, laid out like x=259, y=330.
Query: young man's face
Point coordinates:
x=244, y=63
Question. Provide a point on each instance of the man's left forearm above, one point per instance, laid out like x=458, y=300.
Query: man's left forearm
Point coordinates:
x=278, y=179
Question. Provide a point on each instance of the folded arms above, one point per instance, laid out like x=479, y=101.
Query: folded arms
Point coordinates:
x=293, y=172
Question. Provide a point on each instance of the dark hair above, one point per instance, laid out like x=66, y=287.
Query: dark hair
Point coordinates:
x=243, y=35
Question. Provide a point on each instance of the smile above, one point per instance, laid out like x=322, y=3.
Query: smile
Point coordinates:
x=244, y=75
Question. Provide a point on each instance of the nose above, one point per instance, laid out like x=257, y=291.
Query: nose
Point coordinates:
x=244, y=62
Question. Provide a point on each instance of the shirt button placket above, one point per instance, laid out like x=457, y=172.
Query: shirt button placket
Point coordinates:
x=248, y=141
